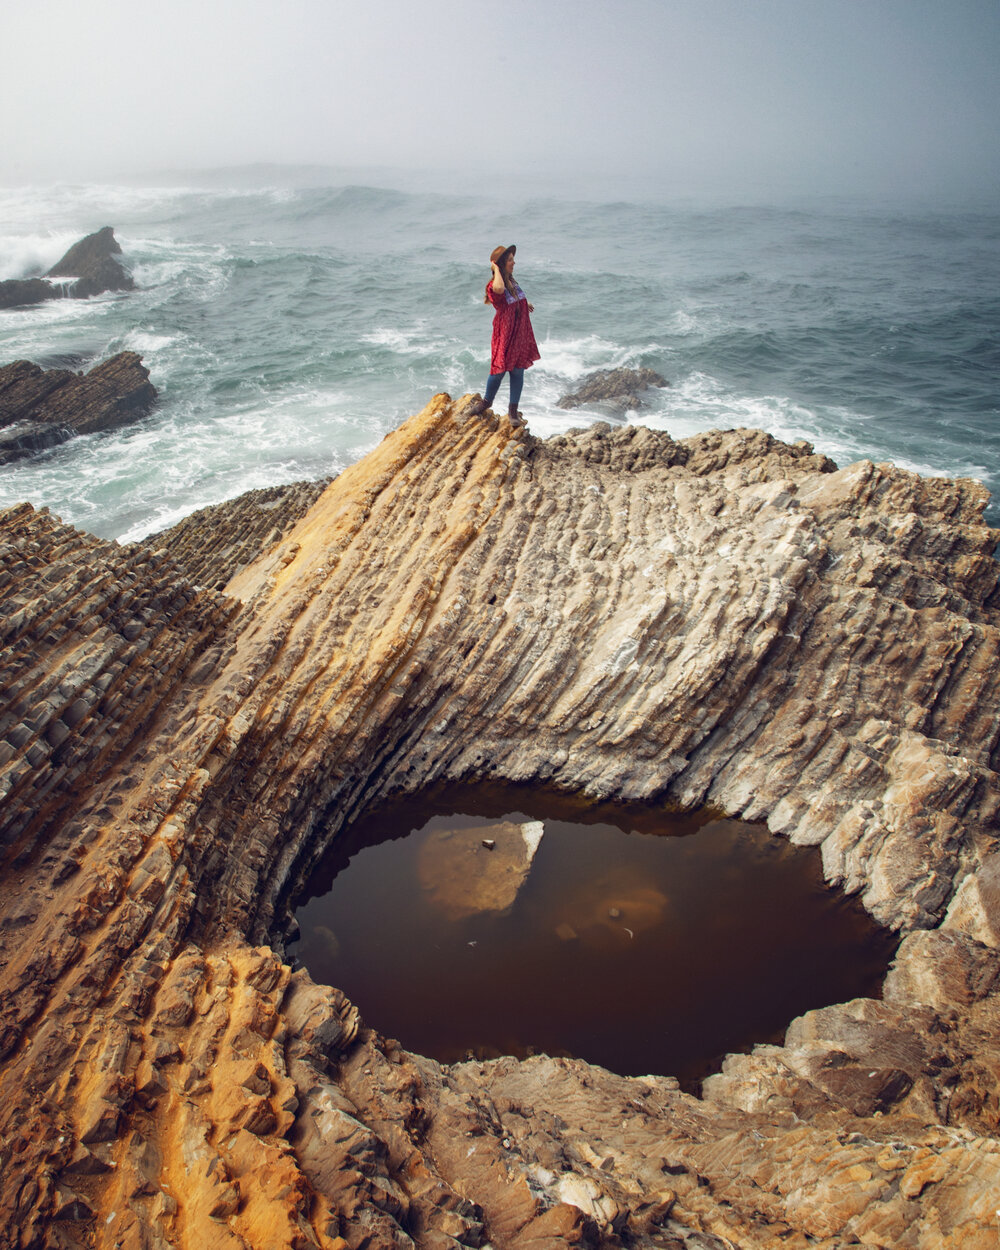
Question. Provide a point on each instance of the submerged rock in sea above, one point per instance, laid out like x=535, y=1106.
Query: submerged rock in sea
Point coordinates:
x=728, y=620
x=89, y=268
x=615, y=390
x=42, y=407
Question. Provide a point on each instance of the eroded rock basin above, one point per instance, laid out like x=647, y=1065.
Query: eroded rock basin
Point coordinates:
x=506, y=920
x=726, y=621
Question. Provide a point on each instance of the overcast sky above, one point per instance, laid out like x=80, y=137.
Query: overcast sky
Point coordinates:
x=824, y=95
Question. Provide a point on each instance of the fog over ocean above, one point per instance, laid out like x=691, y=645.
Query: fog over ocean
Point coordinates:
x=290, y=322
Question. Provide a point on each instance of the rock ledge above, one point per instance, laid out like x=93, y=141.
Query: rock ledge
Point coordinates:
x=43, y=407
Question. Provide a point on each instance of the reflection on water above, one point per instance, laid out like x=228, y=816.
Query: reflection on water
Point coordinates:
x=513, y=922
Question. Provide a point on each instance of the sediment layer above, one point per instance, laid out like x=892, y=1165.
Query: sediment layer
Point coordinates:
x=728, y=620
x=213, y=544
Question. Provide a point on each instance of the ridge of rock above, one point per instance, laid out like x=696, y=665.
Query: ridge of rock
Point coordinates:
x=725, y=620
x=42, y=407
x=91, y=265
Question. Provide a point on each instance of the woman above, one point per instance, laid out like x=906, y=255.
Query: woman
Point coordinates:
x=513, y=348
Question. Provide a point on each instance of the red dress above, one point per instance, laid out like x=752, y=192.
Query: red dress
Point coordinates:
x=513, y=345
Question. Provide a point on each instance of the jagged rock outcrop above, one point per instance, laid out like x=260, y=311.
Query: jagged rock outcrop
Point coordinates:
x=92, y=264
x=88, y=268
x=42, y=407
x=725, y=620
x=615, y=390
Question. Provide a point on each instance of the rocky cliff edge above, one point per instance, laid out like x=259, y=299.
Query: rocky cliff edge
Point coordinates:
x=726, y=620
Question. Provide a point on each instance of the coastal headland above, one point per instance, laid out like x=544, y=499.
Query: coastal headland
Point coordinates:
x=726, y=620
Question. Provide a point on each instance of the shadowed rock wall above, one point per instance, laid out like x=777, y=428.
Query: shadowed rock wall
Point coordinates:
x=725, y=620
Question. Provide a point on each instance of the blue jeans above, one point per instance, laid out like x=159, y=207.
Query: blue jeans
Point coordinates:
x=493, y=385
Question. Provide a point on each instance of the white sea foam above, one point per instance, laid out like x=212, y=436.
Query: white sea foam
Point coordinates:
x=409, y=340
x=146, y=342
x=567, y=360
x=28, y=256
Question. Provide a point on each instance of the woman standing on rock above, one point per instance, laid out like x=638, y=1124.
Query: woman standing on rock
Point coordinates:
x=513, y=348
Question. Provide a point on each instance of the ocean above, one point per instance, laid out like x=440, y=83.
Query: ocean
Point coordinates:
x=290, y=322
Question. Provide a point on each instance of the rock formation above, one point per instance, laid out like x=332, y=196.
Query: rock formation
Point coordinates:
x=42, y=407
x=728, y=620
x=614, y=390
x=88, y=268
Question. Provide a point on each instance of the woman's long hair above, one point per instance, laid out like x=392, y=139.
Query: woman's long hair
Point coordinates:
x=508, y=281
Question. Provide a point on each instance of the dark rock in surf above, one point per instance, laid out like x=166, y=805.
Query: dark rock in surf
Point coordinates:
x=92, y=263
x=39, y=407
x=88, y=268
x=616, y=390
x=27, y=437
x=22, y=292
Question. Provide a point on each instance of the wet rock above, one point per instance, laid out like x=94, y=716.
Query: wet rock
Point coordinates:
x=616, y=390
x=93, y=266
x=39, y=408
x=24, y=438
x=89, y=268
x=21, y=292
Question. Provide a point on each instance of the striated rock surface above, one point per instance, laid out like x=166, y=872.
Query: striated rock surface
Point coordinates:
x=616, y=390
x=42, y=407
x=89, y=268
x=214, y=544
x=726, y=620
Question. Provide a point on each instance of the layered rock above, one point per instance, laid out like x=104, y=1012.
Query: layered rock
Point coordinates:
x=614, y=390
x=43, y=407
x=727, y=620
x=89, y=268
x=215, y=543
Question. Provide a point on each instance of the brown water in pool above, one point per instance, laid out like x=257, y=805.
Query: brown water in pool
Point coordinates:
x=491, y=922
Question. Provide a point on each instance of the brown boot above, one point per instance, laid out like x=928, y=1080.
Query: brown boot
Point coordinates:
x=477, y=407
x=516, y=419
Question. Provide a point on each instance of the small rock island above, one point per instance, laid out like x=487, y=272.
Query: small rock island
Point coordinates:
x=726, y=620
